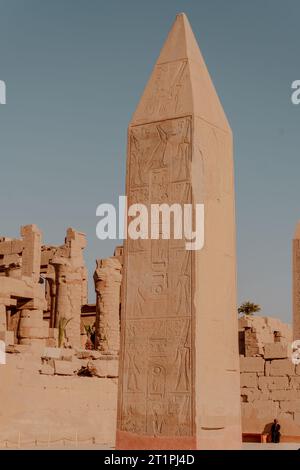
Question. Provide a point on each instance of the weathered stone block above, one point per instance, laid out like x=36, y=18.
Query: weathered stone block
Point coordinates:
x=8, y=337
x=251, y=364
x=67, y=354
x=290, y=405
x=63, y=368
x=17, y=246
x=51, y=353
x=11, y=259
x=287, y=423
x=5, y=248
x=263, y=382
x=51, y=343
x=36, y=346
x=295, y=383
x=276, y=351
x=46, y=369
x=247, y=409
x=278, y=383
x=31, y=323
x=284, y=395
x=86, y=354
x=251, y=394
x=280, y=367
x=108, y=369
x=30, y=316
x=33, y=332
x=22, y=348
x=273, y=383
x=53, y=333
x=266, y=408
x=2, y=316
x=249, y=379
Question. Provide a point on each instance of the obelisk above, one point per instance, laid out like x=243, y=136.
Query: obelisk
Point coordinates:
x=179, y=367
x=296, y=283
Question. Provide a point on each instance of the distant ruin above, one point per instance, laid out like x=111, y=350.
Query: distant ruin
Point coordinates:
x=42, y=287
x=45, y=322
x=32, y=279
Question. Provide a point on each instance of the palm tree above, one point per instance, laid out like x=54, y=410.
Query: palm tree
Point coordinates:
x=248, y=308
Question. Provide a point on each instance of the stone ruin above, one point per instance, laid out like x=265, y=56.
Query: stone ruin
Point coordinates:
x=182, y=382
x=43, y=315
x=22, y=298
x=270, y=382
x=44, y=290
x=40, y=284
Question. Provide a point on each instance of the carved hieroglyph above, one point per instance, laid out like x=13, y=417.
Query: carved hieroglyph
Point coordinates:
x=296, y=283
x=179, y=370
x=158, y=361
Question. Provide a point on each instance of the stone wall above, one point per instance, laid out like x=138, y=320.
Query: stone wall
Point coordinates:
x=43, y=395
x=44, y=399
x=270, y=382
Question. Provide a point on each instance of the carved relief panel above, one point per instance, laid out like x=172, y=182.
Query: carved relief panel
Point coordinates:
x=157, y=376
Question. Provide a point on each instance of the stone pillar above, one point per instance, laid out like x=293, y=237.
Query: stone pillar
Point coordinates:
x=179, y=368
x=70, y=286
x=33, y=330
x=108, y=279
x=3, y=325
x=68, y=302
x=77, y=242
x=6, y=334
x=296, y=283
x=51, y=296
x=31, y=256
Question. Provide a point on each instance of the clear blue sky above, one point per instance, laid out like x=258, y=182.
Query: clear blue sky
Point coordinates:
x=75, y=70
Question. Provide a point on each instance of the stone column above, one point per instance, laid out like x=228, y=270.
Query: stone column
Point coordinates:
x=76, y=241
x=3, y=325
x=70, y=285
x=68, y=301
x=31, y=256
x=51, y=297
x=33, y=330
x=296, y=283
x=108, y=279
x=179, y=368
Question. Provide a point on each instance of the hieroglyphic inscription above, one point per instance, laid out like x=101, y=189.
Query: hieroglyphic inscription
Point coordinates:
x=157, y=375
x=169, y=87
